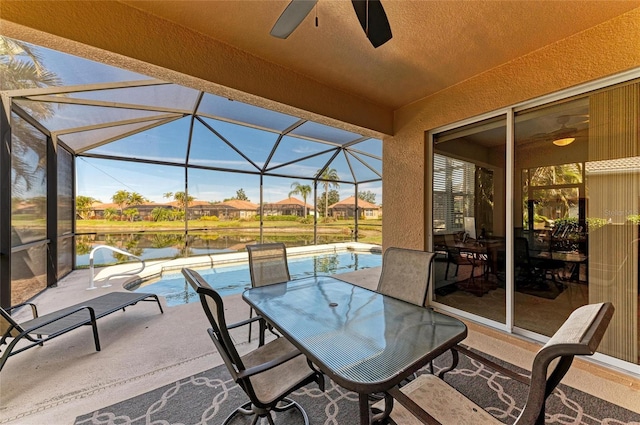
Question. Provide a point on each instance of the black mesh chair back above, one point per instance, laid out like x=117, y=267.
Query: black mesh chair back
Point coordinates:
x=214, y=309
x=267, y=374
x=268, y=264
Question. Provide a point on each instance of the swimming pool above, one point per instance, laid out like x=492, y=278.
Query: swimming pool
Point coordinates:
x=234, y=279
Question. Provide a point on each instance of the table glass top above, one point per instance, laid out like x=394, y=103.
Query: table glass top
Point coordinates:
x=358, y=334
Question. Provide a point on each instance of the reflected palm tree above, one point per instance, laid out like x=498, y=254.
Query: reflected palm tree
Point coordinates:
x=22, y=68
x=165, y=240
x=326, y=264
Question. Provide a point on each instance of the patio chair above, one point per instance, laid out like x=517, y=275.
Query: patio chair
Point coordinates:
x=456, y=256
x=267, y=265
x=268, y=374
x=62, y=321
x=432, y=399
x=533, y=271
x=405, y=274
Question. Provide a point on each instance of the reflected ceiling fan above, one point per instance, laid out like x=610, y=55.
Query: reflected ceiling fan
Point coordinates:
x=370, y=13
x=564, y=135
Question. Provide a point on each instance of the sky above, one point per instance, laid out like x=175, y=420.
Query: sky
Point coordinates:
x=101, y=178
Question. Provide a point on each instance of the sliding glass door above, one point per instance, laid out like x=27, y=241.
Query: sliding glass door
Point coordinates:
x=573, y=209
x=469, y=218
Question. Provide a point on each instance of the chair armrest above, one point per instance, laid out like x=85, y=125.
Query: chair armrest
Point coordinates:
x=493, y=365
x=269, y=365
x=34, y=309
x=244, y=322
x=92, y=315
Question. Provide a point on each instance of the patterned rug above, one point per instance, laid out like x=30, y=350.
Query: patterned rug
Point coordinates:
x=209, y=397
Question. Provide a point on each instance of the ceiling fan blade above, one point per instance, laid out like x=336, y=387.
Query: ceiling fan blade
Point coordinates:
x=373, y=20
x=292, y=16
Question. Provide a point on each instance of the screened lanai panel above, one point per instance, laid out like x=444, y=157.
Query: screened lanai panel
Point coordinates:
x=164, y=96
x=342, y=168
x=209, y=150
x=207, y=186
x=307, y=168
x=364, y=168
x=256, y=144
x=166, y=143
x=369, y=147
x=276, y=196
x=74, y=70
x=324, y=132
x=80, y=116
x=220, y=107
x=28, y=183
x=294, y=149
x=87, y=139
x=100, y=179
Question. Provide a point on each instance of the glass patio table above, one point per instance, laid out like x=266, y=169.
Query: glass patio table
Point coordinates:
x=365, y=341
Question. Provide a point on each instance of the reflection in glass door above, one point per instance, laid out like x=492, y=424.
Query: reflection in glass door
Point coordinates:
x=469, y=218
x=550, y=222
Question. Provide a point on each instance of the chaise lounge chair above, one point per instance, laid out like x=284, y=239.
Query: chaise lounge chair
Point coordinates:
x=62, y=321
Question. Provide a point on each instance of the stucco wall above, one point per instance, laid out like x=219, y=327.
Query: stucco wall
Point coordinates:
x=604, y=50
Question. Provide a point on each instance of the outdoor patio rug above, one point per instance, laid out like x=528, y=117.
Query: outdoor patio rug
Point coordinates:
x=209, y=397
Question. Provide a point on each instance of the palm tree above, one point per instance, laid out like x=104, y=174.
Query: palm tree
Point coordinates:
x=183, y=200
x=136, y=199
x=121, y=199
x=303, y=190
x=329, y=177
x=83, y=205
x=110, y=214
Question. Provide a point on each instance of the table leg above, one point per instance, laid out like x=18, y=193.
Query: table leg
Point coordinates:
x=363, y=404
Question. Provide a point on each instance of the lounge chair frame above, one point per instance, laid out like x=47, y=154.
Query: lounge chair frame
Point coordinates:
x=62, y=321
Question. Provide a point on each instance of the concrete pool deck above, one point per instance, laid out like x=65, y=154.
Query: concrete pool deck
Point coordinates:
x=143, y=349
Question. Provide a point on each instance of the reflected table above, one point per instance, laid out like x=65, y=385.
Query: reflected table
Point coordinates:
x=482, y=255
x=573, y=259
x=365, y=341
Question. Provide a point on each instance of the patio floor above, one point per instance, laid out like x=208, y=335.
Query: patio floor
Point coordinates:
x=143, y=349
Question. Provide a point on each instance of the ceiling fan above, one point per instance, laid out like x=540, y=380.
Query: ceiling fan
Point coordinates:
x=370, y=13
x=564, y=135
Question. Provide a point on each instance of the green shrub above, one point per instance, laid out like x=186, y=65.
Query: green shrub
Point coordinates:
x=209, y=218
x=280, y=218
x=595, y=223
x=634, y=218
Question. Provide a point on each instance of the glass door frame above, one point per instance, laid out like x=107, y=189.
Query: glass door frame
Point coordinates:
x=509, y=113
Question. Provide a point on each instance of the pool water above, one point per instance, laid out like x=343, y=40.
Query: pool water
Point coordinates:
x=229, y=280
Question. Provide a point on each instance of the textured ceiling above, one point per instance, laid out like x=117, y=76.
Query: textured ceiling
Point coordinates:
x=435, y=44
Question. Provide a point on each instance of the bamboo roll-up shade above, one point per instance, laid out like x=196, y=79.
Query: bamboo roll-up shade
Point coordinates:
x=613, y=184
x=614, y=123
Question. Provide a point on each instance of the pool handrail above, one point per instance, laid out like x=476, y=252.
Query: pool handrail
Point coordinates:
x=119, y=251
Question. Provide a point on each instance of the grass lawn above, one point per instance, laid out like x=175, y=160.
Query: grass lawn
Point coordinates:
x=370, y=231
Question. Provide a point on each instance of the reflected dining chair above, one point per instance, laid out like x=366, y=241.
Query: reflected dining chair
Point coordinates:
x=432, y=399
x=405, y=274
x=268, y=374
x=456, y=256
x=267, y=265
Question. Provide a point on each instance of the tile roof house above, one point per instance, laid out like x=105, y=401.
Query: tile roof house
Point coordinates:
x=288, y=206
x=347, y=207
x=144, y=209
x=234, y=209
